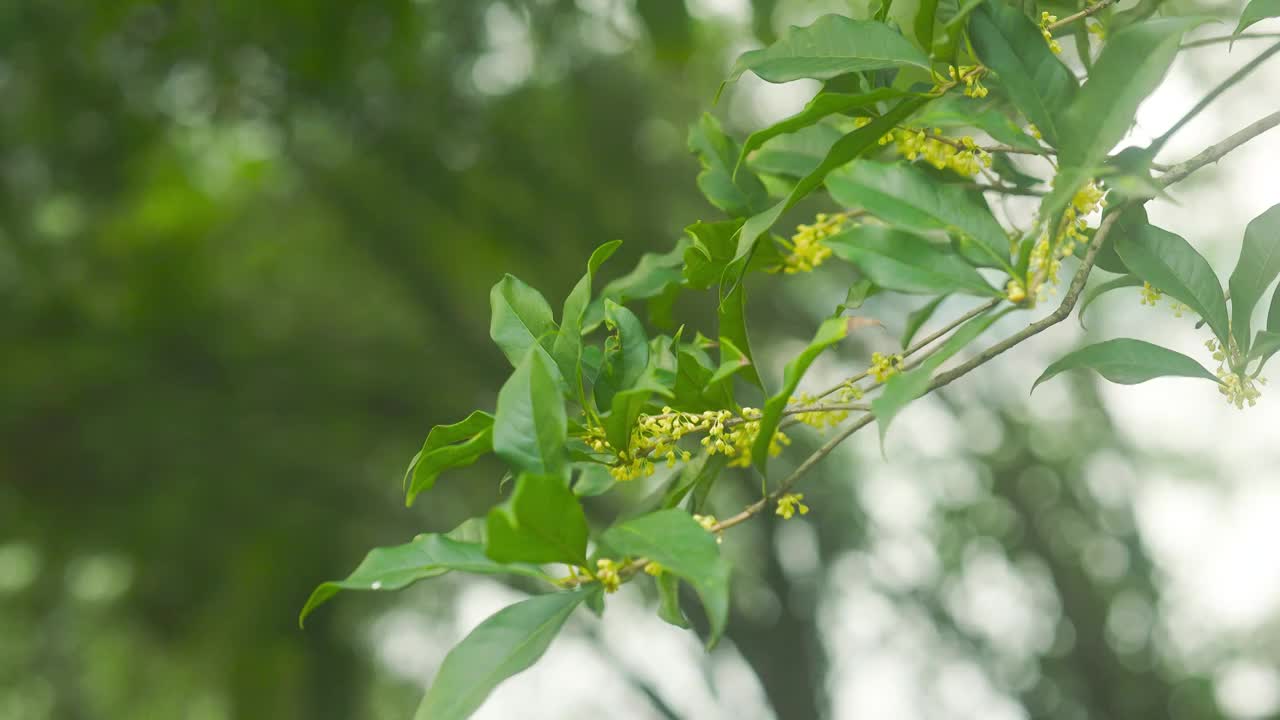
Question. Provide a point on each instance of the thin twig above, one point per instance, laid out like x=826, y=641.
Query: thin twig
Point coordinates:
x=1227, y=38
x=1092, y=9
x=1214, y=153
x=1222, y=87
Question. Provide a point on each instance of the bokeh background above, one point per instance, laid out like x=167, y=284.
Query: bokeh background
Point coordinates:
x=245, y=253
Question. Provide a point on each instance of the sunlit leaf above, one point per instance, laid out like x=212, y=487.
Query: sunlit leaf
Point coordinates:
x=1128, y=362
x=520, y=318
x=530, y=427
x=543, y=522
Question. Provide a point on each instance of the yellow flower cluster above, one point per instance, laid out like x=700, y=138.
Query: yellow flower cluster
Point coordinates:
x=1238, y=388
x=652, y=568
x=710, y=524
x=805, y=249
x=1151, y=296
x=1015, y=291
x=820, y=419
x=963, y=155
x=790, y=503
x=884, y=367
x=607, y=575
x=1046, y=257
x=658, y=436
x=1045, y=21
x=971, y=76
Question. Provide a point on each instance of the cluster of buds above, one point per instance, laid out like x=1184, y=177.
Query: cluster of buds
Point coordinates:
x=711, y=525
x=818, y=419
x=1151, y=296
x=1238, y=387
x=884, y=367
x=971, y=76
x=789, y=504
x=607, y=574
x=963, y=155
x=805, y=249
x=1046, y=256
x=1045, y=21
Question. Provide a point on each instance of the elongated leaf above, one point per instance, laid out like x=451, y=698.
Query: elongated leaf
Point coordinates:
x=710, y=250
x=849, y=147
x=1169, y=263
x=822, y=105
x=833, y=45
x=906, y=262
x=1133, y=62
x=1273, y=313
x=593, y=479
x=393, y=568
x=506, y=643
x=567, y=348
x=923, y=23
x=1128, y=362
x=543, y=522
x=520, y=318
x=830, y=332
x=1257, y=10
x=674, y=540
x=655, y=274
x=797, y=154
x=738, y=194
x=901, y=390
x=954, y=110
x=448, y=446
x=530, y=427
x=626, y=356
x=1035, y=79
x=733, y=332
x=1258, y=266
x=1093, y=293
x=627, y=405
x=1265, y=344
x=700, y=471
x=918, y=318
x=905, y=196
x=669, y=600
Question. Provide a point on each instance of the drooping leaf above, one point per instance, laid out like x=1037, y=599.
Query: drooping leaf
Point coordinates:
x=918, y=318
x=1133, y=62
x=830, y=332
x=674, y=540
x=1258, y=266
x=567, y=348
x=844, y=151
x=1170, y=264
x=626, y=354
x=1128, y=362
x=506, y=643
x=1093, y=293
x=1035, y=79
x=907, y=197
x=823, y=104
x=902, y=261
x=520, y=318
x=833, y=45
x=543, y=522
x=905, y=387
x=1257, y=10
x=530, y=427
x=393, y=568
x=448, y=446
x=738, y=194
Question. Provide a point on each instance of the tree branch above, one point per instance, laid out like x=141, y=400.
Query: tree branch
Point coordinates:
x=1092, y=9
x=1222, y=87
x=1214, y=153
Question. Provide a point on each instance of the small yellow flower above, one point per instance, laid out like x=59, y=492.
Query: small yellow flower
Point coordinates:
x=1150, y=295
x=806, y=249
x=788, y=505
x=884, y=367
x=1045, y=21
x=653, y=568
x=1015, y=291
x=607, y=574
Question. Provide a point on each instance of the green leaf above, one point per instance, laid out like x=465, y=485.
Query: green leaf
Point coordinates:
x=669, y=600
x=1128, y=362
x=797, y=154
x=530, y=427
x=907, y=197
x=1273, y=313
x=832, y=331
x=822, y=105
x=833, y=45
x=543, y=522
x=674, y=540
x=701, y=471
x=627, y=405
x=593, y=479
x=448, y=446
x=733, y=332
x=710, y=250
x=505, y=644
x=1258, y=266
x=625, y=357
x=1124, y=281
x=923, y=24
x=845, y=150
x=903, y=261
x=902, y=389
x=1035, y=79
x=1133, y=62
x=954, y=110
x=567, y=348
x=1257, y=10
x=738, y=194
x=1265, y=344
x=653, y=275
x=1170, y=264
x=917, y=319
x=393, y=568
x=520, y=318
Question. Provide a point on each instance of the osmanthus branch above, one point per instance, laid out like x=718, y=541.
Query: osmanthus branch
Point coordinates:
x=1227, y=38
x=1213, y=94
x=1214, y=153
x=1091, y=10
